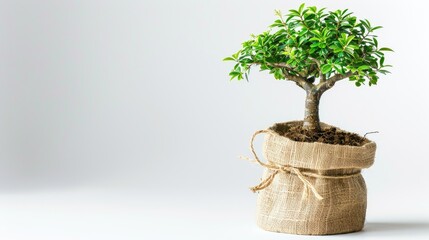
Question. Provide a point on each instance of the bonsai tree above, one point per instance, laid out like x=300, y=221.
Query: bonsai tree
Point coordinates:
x=308, y=44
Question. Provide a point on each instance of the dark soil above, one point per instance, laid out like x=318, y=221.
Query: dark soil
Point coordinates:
x=330, y=136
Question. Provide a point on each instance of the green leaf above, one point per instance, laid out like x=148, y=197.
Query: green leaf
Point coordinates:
x=322, y=45
x=349, y=39
x=290, y=16
x=278, y=74
x=353, y=46
x=234, y=74
x=302, y=40
x=379, y=54
x=326, y=68
x=373, y=80
x=313, y=9
x=317, y=33
x=338, y=68
x=386, y=49
x=310, y=16
x=235, y=55
x=375, y=42
x=294, y=12
x=276, y=24
x=383, y=71
x=301, y=7
x=303, y=31
x=228, y=59
x=316, y=44
x=363, y=67
x=349, y=50
x=381, y=61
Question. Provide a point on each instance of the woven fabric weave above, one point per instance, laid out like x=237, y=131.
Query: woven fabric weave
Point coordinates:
x=282, y=206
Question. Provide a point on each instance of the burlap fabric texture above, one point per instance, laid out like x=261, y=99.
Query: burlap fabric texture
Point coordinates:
x=311, y=188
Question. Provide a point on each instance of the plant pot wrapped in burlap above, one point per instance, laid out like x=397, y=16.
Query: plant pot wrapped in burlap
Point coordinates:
x=311, y=188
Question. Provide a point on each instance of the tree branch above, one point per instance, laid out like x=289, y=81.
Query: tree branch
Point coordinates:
x=338, y=77
x=330, y=82
x=321, y=75
x=299, y=80
x=281, y=65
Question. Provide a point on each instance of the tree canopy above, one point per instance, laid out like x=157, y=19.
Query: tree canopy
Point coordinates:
x=309, y=43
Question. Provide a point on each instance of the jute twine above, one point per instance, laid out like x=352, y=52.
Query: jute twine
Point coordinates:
x=301, y=173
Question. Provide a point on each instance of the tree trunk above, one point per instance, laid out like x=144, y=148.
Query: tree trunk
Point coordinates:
x=311, y=119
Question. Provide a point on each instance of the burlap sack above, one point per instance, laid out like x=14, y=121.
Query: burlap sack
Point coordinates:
x=311, y=188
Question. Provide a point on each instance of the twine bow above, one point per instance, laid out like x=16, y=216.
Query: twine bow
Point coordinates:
x=287, y=169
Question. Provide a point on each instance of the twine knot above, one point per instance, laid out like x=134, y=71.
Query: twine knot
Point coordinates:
x=276, y=168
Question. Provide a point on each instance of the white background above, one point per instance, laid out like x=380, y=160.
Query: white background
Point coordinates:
x=118, y=119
